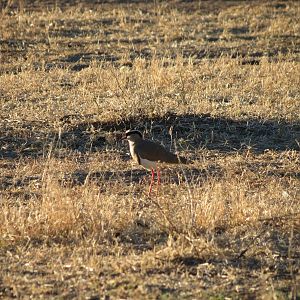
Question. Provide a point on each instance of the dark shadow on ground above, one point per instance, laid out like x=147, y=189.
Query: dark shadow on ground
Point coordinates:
x=174, y=176
x=189, y=131
x=136, y=176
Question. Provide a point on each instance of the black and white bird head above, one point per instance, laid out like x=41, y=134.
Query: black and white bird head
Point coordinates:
x=133, y=135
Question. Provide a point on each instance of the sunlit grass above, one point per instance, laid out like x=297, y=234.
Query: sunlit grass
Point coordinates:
x=75, y=218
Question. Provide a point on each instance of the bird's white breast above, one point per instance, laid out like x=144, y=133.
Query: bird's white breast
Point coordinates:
x=148, y=164
x=131, y=149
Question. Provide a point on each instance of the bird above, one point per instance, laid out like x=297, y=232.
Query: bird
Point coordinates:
x=149, y=154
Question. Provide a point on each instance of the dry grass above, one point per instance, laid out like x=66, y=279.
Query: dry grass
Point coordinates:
x=216, y=81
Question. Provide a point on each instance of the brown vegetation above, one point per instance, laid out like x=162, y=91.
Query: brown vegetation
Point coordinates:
x=217, y=81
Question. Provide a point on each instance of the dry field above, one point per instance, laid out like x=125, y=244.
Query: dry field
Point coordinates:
x=217, y=82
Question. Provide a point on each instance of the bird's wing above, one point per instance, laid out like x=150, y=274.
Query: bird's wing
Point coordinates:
x=155, y=152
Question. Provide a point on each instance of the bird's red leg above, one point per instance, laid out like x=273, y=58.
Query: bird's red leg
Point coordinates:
x=151, y=183
x=158, y=179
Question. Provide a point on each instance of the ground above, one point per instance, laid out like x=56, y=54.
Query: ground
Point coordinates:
x=215, y=81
